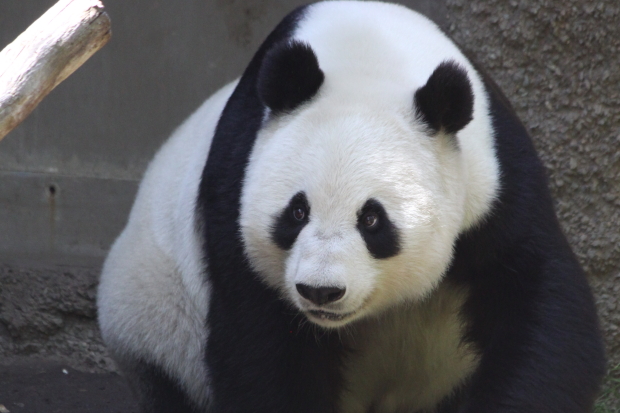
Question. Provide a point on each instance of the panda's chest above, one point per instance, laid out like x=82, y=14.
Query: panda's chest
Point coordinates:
x=408, y=359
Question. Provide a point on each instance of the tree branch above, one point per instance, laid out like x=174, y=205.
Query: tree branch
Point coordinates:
x=45, y=54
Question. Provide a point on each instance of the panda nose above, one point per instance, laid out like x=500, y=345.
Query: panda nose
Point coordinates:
x=320, y=295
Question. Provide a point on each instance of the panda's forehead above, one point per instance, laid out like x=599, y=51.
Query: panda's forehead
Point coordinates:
x=341, y=157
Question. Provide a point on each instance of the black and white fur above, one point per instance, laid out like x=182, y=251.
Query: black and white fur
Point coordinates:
x=359, y=224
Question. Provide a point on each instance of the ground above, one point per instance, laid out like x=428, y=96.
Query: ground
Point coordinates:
x=37, y=386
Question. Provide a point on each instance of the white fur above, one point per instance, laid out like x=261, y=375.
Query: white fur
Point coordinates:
x=382, y=53
x=359, y=139
x=408, y=358
x=153, y=295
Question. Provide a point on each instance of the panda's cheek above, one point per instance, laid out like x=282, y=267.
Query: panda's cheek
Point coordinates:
x=265, y=258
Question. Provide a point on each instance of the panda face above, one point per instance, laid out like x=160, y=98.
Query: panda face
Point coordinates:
x=349, y=207
x=366, y=168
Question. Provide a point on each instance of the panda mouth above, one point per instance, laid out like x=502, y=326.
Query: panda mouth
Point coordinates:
x=326, y=315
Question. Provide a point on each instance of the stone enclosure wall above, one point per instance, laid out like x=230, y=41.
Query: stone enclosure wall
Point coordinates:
x=558, y=61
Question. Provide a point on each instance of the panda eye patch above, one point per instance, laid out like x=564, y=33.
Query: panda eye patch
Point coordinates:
x=378, y=232
x=290, y=221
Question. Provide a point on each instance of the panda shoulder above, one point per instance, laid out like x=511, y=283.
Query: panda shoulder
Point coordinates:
x=169, y=188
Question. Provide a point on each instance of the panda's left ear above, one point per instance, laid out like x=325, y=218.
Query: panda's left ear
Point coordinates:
x=289, y=76
x=446, y=102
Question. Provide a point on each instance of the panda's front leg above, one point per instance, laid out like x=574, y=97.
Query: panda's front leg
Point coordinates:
x=155, y=390
x=536, y=328
x=263, y=357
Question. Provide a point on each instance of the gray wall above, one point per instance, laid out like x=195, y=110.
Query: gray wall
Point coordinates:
x=69, y=173
x=557, y=60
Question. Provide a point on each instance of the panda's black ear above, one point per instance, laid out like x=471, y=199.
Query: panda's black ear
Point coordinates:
x=446, y=102
x=289, y=75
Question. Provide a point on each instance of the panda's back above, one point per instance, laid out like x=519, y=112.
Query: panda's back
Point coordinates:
x=153, y=293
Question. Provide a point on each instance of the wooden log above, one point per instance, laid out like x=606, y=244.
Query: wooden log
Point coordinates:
x=52, y=48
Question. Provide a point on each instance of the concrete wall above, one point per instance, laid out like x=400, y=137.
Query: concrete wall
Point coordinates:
x=68, y=174
x=69, y=171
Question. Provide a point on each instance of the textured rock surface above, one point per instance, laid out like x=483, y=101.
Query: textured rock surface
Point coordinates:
x=49, y=313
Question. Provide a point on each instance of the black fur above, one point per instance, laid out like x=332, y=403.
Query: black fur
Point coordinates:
x=446, y=101
x=286, y=228
x=530, y=311
x=261, y=353
x=382, y=240
x=157, y=392
x=289, y=75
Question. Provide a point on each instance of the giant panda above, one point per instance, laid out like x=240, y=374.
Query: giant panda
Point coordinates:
x=359, y=224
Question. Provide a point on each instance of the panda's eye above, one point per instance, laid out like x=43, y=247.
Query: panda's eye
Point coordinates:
x=379, y=233
x=291, y=221
x=299, y=213
x=370, y=219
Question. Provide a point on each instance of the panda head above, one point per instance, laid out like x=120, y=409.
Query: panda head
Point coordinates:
x=354, y=192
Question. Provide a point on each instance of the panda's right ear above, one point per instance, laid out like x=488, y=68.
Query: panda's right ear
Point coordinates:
x=446, y=102
x=289, y=76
